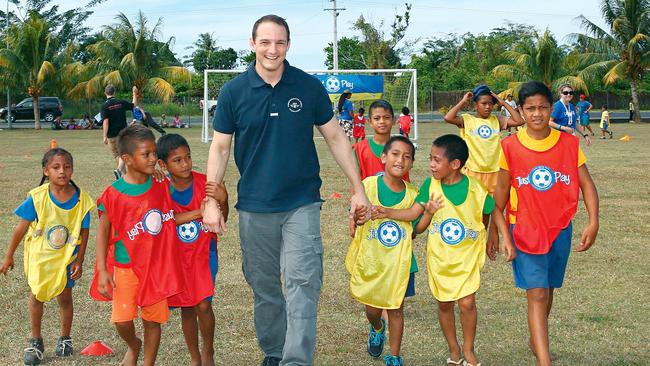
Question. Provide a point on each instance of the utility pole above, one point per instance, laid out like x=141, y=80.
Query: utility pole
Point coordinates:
x=8, y=98
x=335, y=45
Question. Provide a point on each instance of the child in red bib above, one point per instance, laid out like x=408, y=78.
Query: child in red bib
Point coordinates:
x=198, y=246
x=137, y=262
x=359, y=127
x=368, y=151
x=405, y=122
x=543, y=170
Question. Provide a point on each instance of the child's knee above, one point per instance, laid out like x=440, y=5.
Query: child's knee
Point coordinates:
x=538, y=295
x=467, y=303
x=204, y=307
x=447, y=306
x=395, y=313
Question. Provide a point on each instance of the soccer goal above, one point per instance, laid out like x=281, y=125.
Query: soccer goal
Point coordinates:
x=397, y=86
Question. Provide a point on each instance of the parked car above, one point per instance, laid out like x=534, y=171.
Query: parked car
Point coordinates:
x=50, y=108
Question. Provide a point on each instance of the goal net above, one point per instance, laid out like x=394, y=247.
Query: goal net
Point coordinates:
x=397, y=86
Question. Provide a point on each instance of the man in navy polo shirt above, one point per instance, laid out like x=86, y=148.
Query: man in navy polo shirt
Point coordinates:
x=271, y=110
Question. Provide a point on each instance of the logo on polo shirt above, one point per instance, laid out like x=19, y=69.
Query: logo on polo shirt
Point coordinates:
x=294, y=105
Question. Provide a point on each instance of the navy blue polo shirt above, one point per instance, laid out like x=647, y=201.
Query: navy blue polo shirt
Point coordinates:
x=274, y=137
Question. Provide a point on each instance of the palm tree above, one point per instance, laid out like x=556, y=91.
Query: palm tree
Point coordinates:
x=27, y=62
x=623, y=53
x=539, y=58
x=131, y=54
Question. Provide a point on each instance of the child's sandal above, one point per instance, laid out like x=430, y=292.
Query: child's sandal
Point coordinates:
x=460, y=362
x=465, y=363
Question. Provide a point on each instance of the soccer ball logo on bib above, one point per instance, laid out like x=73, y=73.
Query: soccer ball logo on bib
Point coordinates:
x=152, y=222
x=389, y=233
x=332, y=84
x=452, y=231
x=57, y=236
x=189, y=232
x=542, y=178
x=484, y=131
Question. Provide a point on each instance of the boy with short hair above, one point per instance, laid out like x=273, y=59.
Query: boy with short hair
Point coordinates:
x=368, y=151
x=359, y=128
x=456, y=210
x=381, y=265
x=137, y=261
x=542, y=173
x=198, y=246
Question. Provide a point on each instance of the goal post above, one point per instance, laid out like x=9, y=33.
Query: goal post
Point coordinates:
x=397, y=86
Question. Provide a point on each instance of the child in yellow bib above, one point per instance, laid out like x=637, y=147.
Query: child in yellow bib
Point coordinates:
x=455, y=209
x=380, y=258
x=56, y=219
x=481, y=133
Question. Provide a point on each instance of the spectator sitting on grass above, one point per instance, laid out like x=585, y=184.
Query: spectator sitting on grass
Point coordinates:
x=163, y=120
x=177, y=123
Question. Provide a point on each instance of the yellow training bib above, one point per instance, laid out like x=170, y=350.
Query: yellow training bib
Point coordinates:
x=482, y=138
x=379, y=257
x=50, y=242
x=456, y=244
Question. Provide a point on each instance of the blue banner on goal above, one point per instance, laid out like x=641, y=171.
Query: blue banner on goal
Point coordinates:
x=363, y=87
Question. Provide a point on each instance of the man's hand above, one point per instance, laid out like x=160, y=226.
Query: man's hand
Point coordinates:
x=359, y=200
x=105, y=140
x=105, y=283
x=213, y=218
x=134, y=89
x=7, y=265
x=352, y=226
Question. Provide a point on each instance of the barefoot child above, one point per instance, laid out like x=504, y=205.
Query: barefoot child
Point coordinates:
x=138, y=263
x=359, y=129
x=455, y=209
x=56, y=218
x=198, y=246
x=368, y=151
x=545, y=171
x=386, y=244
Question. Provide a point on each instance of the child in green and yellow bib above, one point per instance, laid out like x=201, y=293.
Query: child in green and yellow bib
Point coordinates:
x=455, y=209
x=56, y=219
x=481, y=133
x=380, y=258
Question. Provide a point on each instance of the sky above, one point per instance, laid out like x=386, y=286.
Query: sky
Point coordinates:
x=312, y=27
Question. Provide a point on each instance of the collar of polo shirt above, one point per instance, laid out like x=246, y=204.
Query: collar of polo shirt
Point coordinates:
x=257, y=82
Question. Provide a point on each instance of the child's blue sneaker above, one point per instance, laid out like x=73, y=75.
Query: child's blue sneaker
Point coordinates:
x=376, y=340
x=393, y=360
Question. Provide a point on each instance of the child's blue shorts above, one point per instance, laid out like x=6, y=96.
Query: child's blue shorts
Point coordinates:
x=68, y=270
x=543, y=270
x=410, y=289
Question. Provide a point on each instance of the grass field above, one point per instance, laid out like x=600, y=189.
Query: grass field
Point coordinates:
x=600, y=317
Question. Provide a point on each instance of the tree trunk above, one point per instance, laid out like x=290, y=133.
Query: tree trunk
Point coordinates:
x=635, y=100
x=37, y=114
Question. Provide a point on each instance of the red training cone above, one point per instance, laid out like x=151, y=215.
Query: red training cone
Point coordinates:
x=97, y=348
x=336, y=195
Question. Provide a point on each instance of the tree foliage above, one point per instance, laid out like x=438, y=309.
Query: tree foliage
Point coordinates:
x=623, y=51
x=208, y=55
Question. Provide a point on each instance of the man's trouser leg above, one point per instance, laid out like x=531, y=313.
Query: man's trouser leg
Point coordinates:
x=302, y=270
x=261, y=241
x=289, y=243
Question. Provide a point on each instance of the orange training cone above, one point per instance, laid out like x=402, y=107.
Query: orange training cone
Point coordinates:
x=625, y=138
x=97, y=348
x=336, y=195
x=53, y=144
